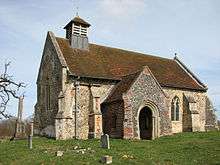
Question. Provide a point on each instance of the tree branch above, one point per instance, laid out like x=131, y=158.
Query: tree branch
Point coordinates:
x=8, y=89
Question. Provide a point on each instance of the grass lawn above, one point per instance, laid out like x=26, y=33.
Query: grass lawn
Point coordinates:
x=185, y=148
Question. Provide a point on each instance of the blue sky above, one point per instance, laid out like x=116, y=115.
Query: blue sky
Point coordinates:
x=190, y=28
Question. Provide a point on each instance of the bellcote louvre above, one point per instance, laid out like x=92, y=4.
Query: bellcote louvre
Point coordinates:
x=77, y=33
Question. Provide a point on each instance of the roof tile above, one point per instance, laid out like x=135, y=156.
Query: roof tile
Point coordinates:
x=111, y=63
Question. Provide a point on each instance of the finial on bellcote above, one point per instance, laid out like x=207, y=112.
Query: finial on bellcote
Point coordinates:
x=77, y=11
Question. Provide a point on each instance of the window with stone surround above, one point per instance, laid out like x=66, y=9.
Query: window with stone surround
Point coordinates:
x=175, y=109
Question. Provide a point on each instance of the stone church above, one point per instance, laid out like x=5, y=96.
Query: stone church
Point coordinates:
x=85, y=90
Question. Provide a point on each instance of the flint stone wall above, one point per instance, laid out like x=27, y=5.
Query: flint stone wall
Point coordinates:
x=49, y=85
x=145, y=89
x=86, y=92
x=185, y=116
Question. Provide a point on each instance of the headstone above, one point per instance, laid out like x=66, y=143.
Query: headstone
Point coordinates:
x=106, y=159
x=30, y=142
x=105, y=141
x=76, y=147
x=59, y=153
x=31, y=135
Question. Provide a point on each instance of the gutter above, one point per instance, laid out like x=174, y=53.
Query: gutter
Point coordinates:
x=90, y=77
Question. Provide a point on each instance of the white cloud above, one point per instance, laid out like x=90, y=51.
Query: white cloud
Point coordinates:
x=121, y=9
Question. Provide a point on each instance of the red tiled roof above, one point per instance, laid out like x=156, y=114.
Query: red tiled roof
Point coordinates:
x=122, y=87
x=111, y=63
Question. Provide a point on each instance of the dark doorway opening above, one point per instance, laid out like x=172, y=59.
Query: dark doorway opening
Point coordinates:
x=105, y=121
x=145, y=123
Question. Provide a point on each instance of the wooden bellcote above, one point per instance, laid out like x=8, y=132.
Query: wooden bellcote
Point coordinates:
x=77, y=33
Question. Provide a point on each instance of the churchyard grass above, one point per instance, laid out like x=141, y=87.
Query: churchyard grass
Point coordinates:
x=184, y=148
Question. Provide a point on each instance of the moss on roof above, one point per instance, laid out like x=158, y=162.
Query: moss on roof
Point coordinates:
x=111, y=63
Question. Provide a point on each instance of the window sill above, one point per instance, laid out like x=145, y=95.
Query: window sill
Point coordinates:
x=176, y=121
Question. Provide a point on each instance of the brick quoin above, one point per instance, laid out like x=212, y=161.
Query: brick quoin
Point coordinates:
x=128, y=132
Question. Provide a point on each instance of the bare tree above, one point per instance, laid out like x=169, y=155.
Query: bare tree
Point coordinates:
x=9, y=88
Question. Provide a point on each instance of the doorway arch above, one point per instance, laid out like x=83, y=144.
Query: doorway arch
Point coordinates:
x=145, y=123
x=150, y=110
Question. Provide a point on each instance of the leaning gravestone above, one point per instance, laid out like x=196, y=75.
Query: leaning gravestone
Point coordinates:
x=105, y=141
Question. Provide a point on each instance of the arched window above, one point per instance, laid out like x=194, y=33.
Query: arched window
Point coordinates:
x=175, y=109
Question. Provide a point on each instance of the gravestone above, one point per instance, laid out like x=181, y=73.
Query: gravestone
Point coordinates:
x=106, y=159
x=30, y=142
x=31, y=135
x=105, y=141
x=59, y=153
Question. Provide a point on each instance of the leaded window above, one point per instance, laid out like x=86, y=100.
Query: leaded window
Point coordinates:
x=175, y=107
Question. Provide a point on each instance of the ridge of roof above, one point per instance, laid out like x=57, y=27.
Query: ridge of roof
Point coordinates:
x=114, y=63
x=121, y=49
x=131, y=74
x=186, y=69
x=122, y=87
x=127, y=82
